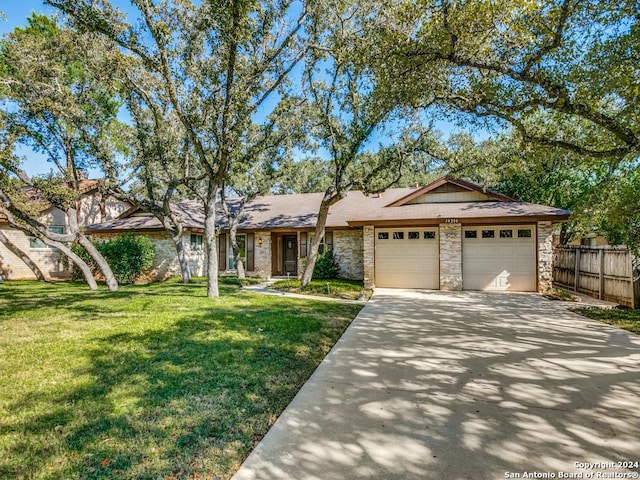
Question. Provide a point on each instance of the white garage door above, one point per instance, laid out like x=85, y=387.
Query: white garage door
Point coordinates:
x=499, y=257
x=407, y=258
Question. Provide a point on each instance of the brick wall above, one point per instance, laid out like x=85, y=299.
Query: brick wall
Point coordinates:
x=348, y=250
x=49, y=260
x=450, y=256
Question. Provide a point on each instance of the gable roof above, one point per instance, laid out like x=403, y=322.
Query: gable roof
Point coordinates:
x=463, y=184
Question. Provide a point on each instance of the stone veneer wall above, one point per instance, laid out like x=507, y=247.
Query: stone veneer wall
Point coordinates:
x=262, y=255
x=450, y=256
x=348, y=251
x=545, y=256
x=368, y=255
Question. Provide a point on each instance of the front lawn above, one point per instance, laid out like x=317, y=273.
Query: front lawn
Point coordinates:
x=625, y=318
x=153, y=381
x=348, y=289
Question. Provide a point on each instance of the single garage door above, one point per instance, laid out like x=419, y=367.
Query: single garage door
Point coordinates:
x=499, y=257
x=407, y=258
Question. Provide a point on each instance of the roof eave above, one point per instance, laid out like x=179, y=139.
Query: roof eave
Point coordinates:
x=554, y=218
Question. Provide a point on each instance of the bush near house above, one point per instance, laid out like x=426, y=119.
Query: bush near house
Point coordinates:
x=129, y=256
x=326, y=266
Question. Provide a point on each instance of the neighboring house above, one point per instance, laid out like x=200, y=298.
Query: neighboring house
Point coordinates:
x=449, y=235
x=93, y=208
x=588, y=240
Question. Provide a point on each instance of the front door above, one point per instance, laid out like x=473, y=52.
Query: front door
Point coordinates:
x=290, y=247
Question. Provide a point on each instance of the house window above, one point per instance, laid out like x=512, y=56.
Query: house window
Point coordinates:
x=488, y=234
x=506, y=233
x=471, y=234
x=196, y=243
x=241, y=239
x=525, y=233
x=429, y=235
x=383, y=235
x=36, y=243
x=398, y=235
x=414, y=235
x=320, y=247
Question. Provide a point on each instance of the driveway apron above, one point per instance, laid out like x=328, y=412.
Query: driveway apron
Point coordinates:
x=463, y=385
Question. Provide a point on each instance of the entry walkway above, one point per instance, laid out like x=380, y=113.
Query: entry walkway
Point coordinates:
x=461, y=386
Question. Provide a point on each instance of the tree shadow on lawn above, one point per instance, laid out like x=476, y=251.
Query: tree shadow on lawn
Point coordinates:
x=189, y=400
x=77, y=296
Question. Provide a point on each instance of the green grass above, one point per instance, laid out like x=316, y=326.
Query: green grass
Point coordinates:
x=348, y=289
x=153, y=381
x=627, y=319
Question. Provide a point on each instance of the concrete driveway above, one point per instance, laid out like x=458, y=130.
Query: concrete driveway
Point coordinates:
x=462, y=385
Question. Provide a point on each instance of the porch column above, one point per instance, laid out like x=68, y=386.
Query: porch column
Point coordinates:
x=369, y=255
x=450, y=256
x=545, y=256
x=262, y=254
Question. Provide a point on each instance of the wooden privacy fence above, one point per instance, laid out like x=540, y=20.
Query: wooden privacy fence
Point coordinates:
x=608, y=273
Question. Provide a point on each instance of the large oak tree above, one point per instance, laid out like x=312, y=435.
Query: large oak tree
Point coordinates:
x=218, y=64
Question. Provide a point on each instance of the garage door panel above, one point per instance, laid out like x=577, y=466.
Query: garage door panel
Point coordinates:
x=504, y=262
x=407, y=262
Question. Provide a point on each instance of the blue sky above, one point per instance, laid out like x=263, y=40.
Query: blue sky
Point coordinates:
x=16, y=13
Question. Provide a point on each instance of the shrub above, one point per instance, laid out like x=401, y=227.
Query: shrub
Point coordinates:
x=128, y=256
x=326, y=266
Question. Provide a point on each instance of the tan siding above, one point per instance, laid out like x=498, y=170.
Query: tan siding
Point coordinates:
x=96, y=210
x=449, y=197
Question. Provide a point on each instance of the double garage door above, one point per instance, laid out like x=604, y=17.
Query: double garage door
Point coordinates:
x=496, y=257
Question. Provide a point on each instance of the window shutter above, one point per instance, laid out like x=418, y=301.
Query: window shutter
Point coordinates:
x=328, y=240
x=250, y=251
x=222, y=252
x=303, y=244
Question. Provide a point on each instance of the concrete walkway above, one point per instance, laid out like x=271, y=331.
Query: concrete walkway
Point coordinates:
x=264, y=289
x=459, y=386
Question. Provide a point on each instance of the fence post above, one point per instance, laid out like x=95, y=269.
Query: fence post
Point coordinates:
x=576, y=277
x=601, y=274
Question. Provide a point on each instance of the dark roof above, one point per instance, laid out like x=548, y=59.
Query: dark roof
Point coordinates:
x=299, y=211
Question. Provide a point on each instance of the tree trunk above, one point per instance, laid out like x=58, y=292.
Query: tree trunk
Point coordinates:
x=84, y=268
x=109, y=277
x=24, y=257
x=38, y=232
x=233, y=238
x=104, y=267
x=312, y=254
x=211, y=247
x=177, y=237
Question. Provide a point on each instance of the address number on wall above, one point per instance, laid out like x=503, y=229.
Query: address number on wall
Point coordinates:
x=451, y=220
